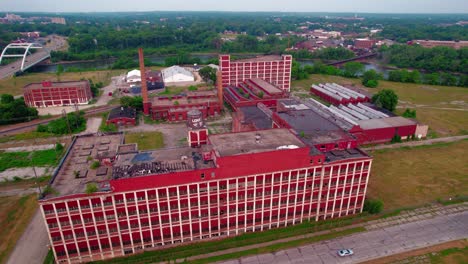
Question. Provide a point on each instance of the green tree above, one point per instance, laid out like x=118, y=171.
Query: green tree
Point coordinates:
x=135, y=102
x=353, y=69
x=370, y=78
x=7, y=99
x=60, y=71
x=208, y=74
x=386, y=98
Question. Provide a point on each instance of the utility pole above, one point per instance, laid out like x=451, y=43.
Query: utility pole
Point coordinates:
x=64, y=114
x=34, y=170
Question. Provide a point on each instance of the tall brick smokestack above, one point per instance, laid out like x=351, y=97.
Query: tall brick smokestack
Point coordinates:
x=219, y=84
x=144, y=86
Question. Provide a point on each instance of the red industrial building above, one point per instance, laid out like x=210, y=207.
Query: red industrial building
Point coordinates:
x=273, y=69
x=122, y=116
x=57, y=93
x=337, y=94
x=251, y=92
x=175, y=108
x=156, y=198
x=363, y=123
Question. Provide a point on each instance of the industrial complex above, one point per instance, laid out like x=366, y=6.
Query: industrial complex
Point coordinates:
x=287, y=160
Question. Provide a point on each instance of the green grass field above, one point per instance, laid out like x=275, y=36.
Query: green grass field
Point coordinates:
x=146, y=140
x=27, y=159
x=409, y=177
x=15, y=214
x=14, y=85
x=443, y=108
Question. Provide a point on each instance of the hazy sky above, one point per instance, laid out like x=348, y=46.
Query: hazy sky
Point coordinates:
x=367, y=6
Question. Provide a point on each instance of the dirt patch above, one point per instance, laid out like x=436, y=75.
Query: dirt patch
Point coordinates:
x=24, y=173
x=419, y=252
x=429, y=88
x=30, y=148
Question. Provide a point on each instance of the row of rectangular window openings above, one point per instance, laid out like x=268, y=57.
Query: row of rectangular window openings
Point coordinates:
x=194, y=231
x=186, y=217
x=194, y=191
x=212, y=201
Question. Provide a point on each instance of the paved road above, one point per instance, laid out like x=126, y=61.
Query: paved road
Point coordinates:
x=374, y=244
x=32, y=247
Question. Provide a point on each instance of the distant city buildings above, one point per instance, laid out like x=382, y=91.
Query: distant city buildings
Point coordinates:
x=12, y=18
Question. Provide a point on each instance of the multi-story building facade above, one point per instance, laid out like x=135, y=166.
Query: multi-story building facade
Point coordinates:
x=187, y=194
x=57, y=93
x=273, y=69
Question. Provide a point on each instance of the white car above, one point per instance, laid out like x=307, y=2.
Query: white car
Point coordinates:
x=345, y=252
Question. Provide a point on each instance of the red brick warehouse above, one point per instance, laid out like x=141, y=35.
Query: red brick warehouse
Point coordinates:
x=57, y=93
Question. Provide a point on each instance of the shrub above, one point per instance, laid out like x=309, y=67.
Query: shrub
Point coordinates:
x=58, y=147
x=95, y=165
x=91, y=188
x=371, y=83
x=409, y=113
x=396, y=139
x=373, y=206
x=192, y=88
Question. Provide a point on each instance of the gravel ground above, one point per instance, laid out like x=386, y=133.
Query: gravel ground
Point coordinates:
x=25, y=173
x=92, y=125
x=30, y=148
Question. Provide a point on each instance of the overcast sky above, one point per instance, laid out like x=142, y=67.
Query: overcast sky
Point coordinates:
x=355, y=6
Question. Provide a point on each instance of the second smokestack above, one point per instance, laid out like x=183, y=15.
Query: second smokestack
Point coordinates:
x=144, y=86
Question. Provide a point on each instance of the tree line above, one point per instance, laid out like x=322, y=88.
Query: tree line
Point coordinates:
x=428, y=59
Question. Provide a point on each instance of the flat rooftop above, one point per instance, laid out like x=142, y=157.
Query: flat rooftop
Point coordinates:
x=160, y=162
x=232, y=144
x=252, y=114
x=268, y=87
x=182, y=101
x=395, y=121
x=337, y=155
x=315, y=128
x=56, y=85
x=76, y=171
x=261, y=58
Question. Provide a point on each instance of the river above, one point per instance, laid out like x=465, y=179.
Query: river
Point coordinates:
x=159, y=59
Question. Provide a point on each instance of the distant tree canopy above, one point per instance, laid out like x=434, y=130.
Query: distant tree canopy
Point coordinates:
x=327, y=54
x=386, y=99
x=405, y=31
x=432, y=60
x=15, y=110
x=353, y=69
